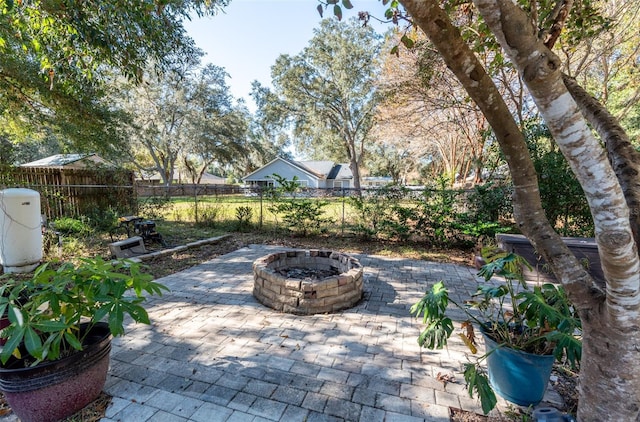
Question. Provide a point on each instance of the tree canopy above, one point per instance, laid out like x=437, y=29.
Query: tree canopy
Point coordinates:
x=56, y=54
x=591, y=141
x=184, y=119
x=328, y=91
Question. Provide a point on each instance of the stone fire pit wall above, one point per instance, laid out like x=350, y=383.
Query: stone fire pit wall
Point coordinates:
x=306, y=296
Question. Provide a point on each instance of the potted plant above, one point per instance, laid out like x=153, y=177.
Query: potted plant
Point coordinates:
x=525, y=329
x=56, y=355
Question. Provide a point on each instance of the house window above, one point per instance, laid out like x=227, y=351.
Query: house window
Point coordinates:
x=337, y=184
x=303, y=183
x=262, y=183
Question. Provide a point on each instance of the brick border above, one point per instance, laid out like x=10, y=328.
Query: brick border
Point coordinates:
x=303, y=297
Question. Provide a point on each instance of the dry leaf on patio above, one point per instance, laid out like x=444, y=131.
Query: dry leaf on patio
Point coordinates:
x=445, y=378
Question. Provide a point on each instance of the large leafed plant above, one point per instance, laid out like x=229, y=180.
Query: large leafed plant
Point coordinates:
x=46, y=310
x=538, y=319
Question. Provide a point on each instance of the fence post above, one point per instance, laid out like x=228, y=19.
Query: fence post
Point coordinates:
x=343, y=199
x=260, y=191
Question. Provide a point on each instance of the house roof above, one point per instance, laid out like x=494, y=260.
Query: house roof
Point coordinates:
x=322, y=169
x=62, y=160
x=319, y=169
x=340, y=171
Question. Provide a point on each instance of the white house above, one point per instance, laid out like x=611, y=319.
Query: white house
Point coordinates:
x=311, y=174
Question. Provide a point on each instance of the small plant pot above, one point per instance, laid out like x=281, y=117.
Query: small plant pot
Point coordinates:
x=517, y=376
x=53, y=390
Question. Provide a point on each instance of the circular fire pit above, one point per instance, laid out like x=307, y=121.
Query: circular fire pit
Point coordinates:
x=307, y=282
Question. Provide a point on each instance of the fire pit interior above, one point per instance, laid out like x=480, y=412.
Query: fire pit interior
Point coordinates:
x=307, y=282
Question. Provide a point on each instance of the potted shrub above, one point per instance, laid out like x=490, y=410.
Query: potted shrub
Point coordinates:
x=56, y=355
x=525, y=329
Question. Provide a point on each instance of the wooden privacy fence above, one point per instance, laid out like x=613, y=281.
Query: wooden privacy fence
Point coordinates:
x=74, y=192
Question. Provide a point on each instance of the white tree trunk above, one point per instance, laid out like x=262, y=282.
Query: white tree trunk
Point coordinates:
x=610, y=373
x=611, y=331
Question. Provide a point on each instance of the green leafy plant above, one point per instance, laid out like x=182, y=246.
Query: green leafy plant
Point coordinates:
x=45, y=311
x=302, y=215
x=437, y=216
x=244, y=215
x=538, y=320
x=205, y=215
x=72, y=226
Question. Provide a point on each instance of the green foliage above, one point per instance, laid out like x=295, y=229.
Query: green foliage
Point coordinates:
x=205, y=214
x=393, y=212
x=58, y=55
x=540, y=321
x=329, y=91
x=548, y=310
x=437, y=221
x=103, y=219
x=207, y=127
x=478, y=384
x=301, y=215
x=438, y=326
x=45, y=311
x=244, y=215
x=489, y=202
x=385, y=213
x=72, y=226
x=569, y=213
x=154, y=207
x=372, y=210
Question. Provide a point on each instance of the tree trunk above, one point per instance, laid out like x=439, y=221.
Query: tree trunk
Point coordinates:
x=610, y=376
x=610, y=328
x=355, y=170
x=528, y=211
x=623, y=156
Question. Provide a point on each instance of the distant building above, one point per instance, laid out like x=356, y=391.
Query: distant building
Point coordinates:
x=70, y=161
x=376, y=181
x=311, y=174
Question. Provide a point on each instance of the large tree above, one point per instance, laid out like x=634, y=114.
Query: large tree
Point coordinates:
x=269, y=135
x=602, y=160
x=56, y=54
x=217, y=132
x=427, y=116
x=186, y=118
x=329, y=91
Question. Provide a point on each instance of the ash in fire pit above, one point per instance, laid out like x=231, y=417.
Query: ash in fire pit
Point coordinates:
x=308, y=282
x=308, y=273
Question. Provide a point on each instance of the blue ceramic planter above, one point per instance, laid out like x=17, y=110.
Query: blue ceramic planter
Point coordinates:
x=519, y=377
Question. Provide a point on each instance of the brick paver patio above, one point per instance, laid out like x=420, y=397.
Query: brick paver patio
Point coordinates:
x=214, y=353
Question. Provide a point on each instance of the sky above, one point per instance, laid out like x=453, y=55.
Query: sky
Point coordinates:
x=248, y=36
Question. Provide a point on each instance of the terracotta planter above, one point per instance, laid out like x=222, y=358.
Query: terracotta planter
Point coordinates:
x=54, y=390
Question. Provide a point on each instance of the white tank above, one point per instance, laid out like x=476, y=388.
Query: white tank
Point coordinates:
x=20, y=230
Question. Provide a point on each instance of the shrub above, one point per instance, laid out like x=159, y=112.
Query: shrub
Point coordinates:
x=244, y=215
x=72, y=226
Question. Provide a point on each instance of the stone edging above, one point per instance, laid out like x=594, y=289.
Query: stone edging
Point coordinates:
x=162, y=252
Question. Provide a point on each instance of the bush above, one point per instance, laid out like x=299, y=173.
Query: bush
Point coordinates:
x=72, y=227
x=205, y=214
x=154, y=208
x=438, y=215
x=302, y=216
x=244, y=215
